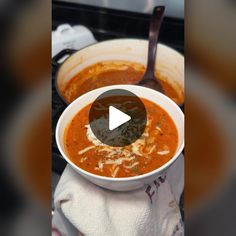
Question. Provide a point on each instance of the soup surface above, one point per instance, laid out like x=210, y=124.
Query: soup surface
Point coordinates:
x=156, y=146
x=112, y=73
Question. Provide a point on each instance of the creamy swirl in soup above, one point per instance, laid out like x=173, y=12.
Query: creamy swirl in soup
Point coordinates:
x=156, y=146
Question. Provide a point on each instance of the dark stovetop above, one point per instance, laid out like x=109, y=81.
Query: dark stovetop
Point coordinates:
x=106, y=24
x=109, y=24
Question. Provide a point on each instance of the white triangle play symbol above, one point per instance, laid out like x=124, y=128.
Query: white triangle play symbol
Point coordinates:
x=117, y=118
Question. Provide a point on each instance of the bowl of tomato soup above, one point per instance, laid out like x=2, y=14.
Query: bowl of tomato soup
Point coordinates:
x=129, y=167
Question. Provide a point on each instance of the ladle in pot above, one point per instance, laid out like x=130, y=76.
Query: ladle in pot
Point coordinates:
x=149, y=79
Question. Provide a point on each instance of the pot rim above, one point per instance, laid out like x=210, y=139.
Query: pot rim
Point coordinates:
x=97, y=43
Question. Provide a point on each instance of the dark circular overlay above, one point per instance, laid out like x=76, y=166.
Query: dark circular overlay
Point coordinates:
x=126, y=102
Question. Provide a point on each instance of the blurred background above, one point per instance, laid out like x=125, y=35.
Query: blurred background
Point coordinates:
x=27, y=164
x=25, y=174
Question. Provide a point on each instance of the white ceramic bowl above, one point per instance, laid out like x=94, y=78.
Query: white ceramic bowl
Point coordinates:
x=129, y=183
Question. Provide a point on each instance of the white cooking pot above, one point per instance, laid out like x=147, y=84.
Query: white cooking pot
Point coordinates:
x=169, y=63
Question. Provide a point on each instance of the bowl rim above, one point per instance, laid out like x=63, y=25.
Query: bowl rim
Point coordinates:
x=121, y=179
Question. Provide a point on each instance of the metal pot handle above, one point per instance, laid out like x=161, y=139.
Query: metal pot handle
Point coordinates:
x=60, y=55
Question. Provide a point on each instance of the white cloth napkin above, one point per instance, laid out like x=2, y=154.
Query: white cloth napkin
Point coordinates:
x=82, y=208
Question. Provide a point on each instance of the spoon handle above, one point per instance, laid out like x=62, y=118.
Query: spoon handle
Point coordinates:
x=155, y=24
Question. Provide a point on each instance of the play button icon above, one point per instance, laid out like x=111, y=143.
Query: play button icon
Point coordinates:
x=117, y=117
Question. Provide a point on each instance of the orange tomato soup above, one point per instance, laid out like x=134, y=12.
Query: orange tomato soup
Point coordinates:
x=153, y=149
x=112, y=73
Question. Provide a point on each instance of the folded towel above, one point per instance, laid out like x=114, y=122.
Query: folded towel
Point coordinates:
x=82, y=208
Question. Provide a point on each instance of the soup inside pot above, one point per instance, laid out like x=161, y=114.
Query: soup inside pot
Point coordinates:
x=112, y=73
x=154, y=148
